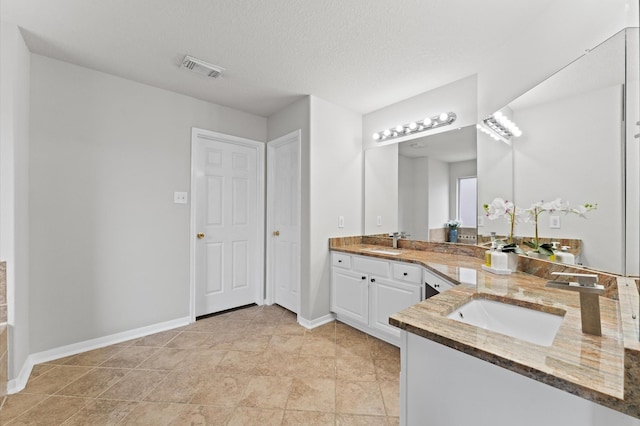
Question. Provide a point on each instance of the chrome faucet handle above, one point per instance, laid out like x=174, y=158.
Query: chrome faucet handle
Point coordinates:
x=404, y=234
x=584, y=280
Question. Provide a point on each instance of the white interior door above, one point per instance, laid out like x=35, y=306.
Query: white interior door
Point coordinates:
x=283, y=218
x=227, y=214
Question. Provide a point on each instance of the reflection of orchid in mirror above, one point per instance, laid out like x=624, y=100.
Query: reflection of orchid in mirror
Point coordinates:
x=503, y=208
x=555, y=206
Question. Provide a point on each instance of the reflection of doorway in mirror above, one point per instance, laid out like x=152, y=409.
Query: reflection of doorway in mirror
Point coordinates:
x=467, y=201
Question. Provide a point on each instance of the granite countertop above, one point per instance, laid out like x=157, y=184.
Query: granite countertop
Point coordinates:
x=604, y=369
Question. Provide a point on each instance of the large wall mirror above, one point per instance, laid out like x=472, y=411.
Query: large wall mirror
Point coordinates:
x=577, y=144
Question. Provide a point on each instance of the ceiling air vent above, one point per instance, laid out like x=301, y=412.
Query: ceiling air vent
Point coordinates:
x=201, y=67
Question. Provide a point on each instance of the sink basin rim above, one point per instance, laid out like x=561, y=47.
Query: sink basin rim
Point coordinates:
x=393, y=252
x=521, y=322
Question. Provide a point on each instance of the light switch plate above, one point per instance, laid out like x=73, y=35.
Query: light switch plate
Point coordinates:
x=180, y=197
x=480, y=221
x=554, y=222
x=379, y=221
x=340, y=221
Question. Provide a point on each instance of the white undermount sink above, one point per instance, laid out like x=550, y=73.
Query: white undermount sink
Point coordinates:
x=384, y=251
x=516, y=321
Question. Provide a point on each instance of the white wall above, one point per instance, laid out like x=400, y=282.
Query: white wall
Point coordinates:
x=381, y=189
x=548, y=43
x=109, y=249
x=15, y=63
x=576, y=156
x=438, y=181
x=336, y=190
x=459, y=97
x=413, y=197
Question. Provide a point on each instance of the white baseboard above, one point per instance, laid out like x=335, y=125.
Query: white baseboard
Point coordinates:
x=309, y=324
x=19, y=383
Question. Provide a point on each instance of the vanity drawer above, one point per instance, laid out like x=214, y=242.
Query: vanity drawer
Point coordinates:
x=409, y=273
x=341, y=260
x=435, y=281
x=371, y=266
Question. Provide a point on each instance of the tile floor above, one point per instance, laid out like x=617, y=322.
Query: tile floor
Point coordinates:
x=254, y=366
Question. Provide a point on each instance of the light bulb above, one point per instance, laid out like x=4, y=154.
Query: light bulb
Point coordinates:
x=413, y=126
x=517, y=132
x=399, y=128
x=497, y=115
x=427, y=122
x=444, y=116
x=395, y=134
x=387, y=132
x=376, y=136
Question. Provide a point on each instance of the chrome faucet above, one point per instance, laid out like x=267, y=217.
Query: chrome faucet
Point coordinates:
x=590, y=291
x=397, y=236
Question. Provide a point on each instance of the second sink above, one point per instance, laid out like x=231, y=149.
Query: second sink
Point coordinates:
x=516, y=321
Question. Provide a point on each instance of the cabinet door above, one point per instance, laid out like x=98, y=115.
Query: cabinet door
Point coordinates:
x=388, y=298
x=350, y=295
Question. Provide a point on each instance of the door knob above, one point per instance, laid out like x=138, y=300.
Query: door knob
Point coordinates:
x=276, y=233
x=200, y=235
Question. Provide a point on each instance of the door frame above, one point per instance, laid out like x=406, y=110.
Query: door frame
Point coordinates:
x=296, y=137
x=196, y=135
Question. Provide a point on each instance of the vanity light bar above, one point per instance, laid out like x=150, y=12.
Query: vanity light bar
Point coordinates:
x=428, y=123
x=499, y=127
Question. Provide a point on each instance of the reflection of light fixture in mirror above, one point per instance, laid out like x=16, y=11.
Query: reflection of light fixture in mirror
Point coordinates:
x=499, y=127
x=428, y=123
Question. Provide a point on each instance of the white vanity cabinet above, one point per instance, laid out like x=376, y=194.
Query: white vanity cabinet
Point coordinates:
x=366, y=291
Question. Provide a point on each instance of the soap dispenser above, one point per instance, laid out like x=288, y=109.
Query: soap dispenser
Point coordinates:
x=499, y=260
x=565, y=257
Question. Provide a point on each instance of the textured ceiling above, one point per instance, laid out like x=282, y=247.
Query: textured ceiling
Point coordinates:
x=363, y=55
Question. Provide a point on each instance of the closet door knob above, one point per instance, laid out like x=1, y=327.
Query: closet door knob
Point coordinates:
x=200, y=235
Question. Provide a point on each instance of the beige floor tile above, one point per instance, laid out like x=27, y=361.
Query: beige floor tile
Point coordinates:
x=191, y=340
x=222, y=390
x=383, y=350
x=274, y=363
x=39, y=370
x=312, y=394
x=244, y=416
x=346, y=332
x=290, y=344
x=129, y=357
x=55, y=379
x=178, y=386
x=355, y=420
x=387, y=369
x=93, y=383
x=156, y=340
x=95, y=357
x=355, y=368
x=135, y=386
x=52, y=411
x=153, y=413
x=266, y=392
x=200, y=359
x=308, y=418
x=393, y=421
x=325, y=330
x=101, y=412
x=18, y=404
x=257, y=367
x=202, y=415
x=292, y=329
x=391, y=397
x=236, y=326
x=165, y=359
x=359, y=398
x=318, y=346
x=352, y=348
x=313, y=366
x=239, y=362
x=251, y=343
